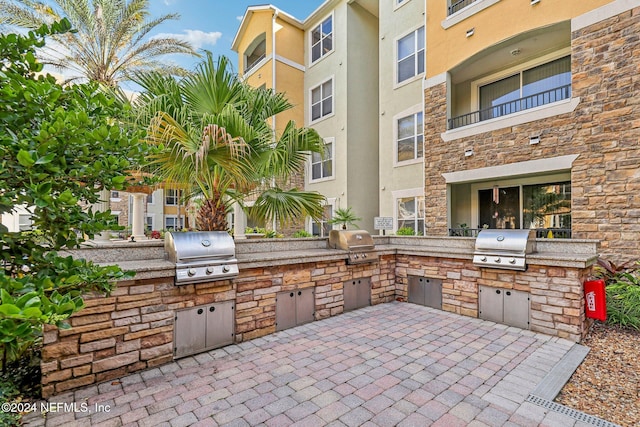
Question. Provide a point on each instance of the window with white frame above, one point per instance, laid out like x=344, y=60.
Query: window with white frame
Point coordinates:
x=150, y=198
x=321, y=228
x=149, y=223
x=322, y=100
x=322, y=39
x=171, y=222
x=409, y=137
x=25, y=223
x=115, y=195
x=172, y=197
x=410, y=214
x=322, y=164
x=410, y=55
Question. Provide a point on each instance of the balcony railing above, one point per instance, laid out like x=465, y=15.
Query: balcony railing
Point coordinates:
x=459, y=5
x=541, y=233
x=254, y=63
x=532, y=101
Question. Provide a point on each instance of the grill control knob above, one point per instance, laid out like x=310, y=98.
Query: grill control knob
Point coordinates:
x=225, y=269
x=512, y=261
x=355, y=256
x=483, y=259
x=209, y=270
x=497, y=259
x=191, y=272
x=364, y=255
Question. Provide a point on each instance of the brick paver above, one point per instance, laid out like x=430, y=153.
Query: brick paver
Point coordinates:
x=391, y=364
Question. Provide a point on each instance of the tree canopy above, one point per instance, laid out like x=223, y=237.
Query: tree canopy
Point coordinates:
x=110, y=40
x=59, y=147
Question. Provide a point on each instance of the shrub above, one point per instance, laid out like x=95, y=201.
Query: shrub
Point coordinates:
x=302, y=233
x=405, y=231
x=623, y=300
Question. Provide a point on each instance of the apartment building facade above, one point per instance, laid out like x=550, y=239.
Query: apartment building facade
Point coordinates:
x=362, y=67
x=532, y=119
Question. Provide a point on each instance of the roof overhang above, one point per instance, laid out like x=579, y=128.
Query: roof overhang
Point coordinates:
x=246, y=18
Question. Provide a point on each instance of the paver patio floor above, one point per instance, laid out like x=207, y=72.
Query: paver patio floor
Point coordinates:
x=395, y=364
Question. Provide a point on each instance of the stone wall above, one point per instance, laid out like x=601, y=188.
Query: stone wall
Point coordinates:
x=557, y=303
x=604, y=130
x=132, y=329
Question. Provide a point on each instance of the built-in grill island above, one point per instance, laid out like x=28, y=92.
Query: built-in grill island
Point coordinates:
x=358, y=243
x=201, y=256
x=505, y=249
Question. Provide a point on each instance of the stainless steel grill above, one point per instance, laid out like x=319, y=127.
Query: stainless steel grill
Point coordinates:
x=201, y=256
x=505, y=249
x=359, y=243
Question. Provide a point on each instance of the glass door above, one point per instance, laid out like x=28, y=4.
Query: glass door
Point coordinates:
x=499, y=207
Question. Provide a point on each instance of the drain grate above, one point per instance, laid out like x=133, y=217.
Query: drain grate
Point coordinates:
x=565, y=410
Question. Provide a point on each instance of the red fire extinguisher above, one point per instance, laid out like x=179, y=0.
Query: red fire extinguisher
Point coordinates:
x=595, y=299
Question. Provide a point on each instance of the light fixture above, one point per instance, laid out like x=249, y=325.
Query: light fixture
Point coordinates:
x=515, y=52
x=468, y=152
x=533, y=140
x=470, y=32
x=534, y=2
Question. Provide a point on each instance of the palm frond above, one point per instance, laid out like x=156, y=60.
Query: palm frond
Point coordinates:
x=278, y=204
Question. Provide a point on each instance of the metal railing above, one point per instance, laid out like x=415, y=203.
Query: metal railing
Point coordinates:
x=254, y=63
x=459, y=5
x=541, y=233
x=532, y=101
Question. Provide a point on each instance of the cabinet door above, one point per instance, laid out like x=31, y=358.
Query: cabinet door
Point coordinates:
x=220, y=320
x=516, y=308
x=350, y=295
x=305, y=306
x=364, y=292
x=490, y=304
x=189, y=331
x=432, y=293
x=416, y=290
x=285, y=310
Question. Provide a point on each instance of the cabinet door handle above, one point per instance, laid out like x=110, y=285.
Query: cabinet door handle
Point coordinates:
x=508, y=293
x=291, y=294
x=212, y=309
x=498, y=291
x=200, y=311
x=299, y=292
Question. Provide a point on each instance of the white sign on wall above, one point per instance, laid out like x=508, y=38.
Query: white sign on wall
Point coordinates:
x=383, y=223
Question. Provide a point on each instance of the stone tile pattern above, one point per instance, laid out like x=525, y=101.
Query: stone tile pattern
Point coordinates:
x=132, y=329
x=557, y=303
x=394, y=364
x=604, y=130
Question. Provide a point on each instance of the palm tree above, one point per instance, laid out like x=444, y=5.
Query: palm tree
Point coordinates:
x=110, y=42
x=217, y=144
x=344, y=217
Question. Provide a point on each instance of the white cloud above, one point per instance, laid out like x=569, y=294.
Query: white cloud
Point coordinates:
x=239, y=18
x=197, y=38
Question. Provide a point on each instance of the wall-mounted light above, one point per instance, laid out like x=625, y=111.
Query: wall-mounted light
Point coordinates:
x=534, y=140
x=515, y=52
x=470, y=32
x=534, y=2
x=468, y=152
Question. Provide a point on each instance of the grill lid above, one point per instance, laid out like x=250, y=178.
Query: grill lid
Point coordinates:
x=192, y=246
x=506, y=242
x=351, y=240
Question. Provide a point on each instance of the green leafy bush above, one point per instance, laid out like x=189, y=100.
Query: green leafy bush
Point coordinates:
x=623, y=292
x=405, y=231
x=301, y=234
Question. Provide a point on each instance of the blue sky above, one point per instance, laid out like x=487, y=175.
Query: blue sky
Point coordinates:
x=212, y=24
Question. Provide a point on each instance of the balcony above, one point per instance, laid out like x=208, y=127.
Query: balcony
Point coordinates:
x=254, y=62
x=458, y=6
x=500, y=110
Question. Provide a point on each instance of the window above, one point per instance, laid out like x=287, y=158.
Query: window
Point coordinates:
x=544, y=206
x=322, y=100
x=150, y=198
x=530, y=88
x=411, y=214
x=409, y=137
x=256, y=52
x=322, y=39
x=115, y=195
x=322, y=166
x=410, y=51
x=149, y=223
x=323, y=227
x=24, y=222
x=171, y=223
x=172, y=197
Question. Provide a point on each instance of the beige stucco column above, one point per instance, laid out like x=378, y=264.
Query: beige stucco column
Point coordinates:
x=137, y=216
x=102, y=205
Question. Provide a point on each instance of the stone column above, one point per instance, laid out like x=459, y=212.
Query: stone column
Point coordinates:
x=102, y=206
x=239, y=222
x=137, y=216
